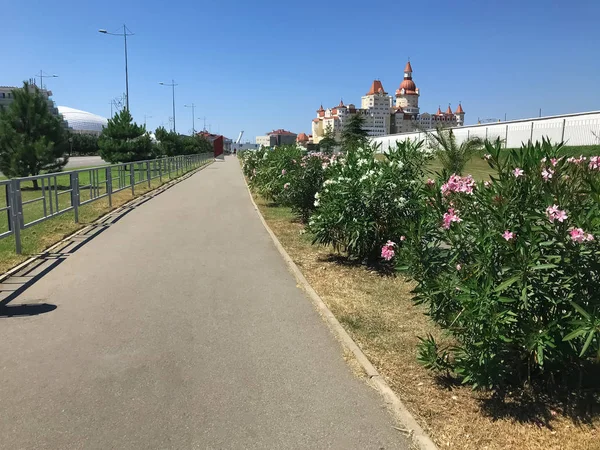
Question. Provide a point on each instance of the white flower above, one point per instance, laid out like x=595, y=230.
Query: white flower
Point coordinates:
x=400, y=164
x=361, y=162
x=363, y=178
x=317, y=195
x=316, y=202
x=328, y=182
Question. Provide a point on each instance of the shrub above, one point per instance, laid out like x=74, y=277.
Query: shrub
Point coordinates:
x=366, y=202
x=303, y=180
x=269, y=178
x=509, y=267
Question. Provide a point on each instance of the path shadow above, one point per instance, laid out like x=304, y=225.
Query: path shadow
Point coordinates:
x=26, y=310
x=381, y=267
x=541, y=403
x=18, y=282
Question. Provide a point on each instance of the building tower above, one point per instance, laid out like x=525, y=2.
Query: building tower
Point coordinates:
x=460, y=116
x=407, y=95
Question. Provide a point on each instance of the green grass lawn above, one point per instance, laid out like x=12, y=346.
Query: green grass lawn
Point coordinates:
x=92, y=184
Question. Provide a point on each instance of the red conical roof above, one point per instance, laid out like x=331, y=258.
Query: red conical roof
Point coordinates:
x=459, y=110
x=439, y=111
x=376, y=87
x=449, y=110
x=408, y=67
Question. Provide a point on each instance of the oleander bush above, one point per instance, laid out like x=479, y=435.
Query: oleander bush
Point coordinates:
x=509, y=267
x=367, y=201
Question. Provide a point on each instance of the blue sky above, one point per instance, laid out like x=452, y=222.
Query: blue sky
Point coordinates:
x=260, y=65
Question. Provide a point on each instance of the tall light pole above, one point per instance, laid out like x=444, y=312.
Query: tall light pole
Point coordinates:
x=126, y=32
x=146, y=117
x=172, y=84
x=193, y=106
x=43, y=75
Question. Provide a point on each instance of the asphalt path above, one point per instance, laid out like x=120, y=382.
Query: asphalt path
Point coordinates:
x=179, y=327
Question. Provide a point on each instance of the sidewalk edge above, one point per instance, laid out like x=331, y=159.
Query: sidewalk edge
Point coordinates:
x=401, y=413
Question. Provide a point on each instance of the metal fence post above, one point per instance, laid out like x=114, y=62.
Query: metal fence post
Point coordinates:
x=109, y=185
x=160, y=170
x=15, y=213
x=562, y=137
x=132, y=178
x=75, y=194
x=149, y=176
x=506, y=138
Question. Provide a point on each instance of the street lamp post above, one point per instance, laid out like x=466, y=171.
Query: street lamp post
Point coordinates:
x=43, y=75
x=193, y=106
x=203, y=118
x=124, y=34
x=146, y=117
x=172, y=84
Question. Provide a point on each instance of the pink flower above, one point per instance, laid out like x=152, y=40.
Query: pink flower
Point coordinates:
x=487, y=156
x=458, y=267
x=430, y=182
x=450, y=217
x=487, y=183
x=518, y=172
x=554, y=213
x=547, y=174
x=554, y=161
x=402, y=238
x=294, y=161
x=286, y=186
x=578, y=235
x=576, y=160
x=456, y=183
x=594, y=162
x=508, y=235
x=387, y=251
x=283, y=171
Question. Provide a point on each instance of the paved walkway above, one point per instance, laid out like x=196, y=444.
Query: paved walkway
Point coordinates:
x=181, y=328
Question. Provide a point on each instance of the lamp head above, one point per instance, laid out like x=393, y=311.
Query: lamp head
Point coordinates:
x=102, y=31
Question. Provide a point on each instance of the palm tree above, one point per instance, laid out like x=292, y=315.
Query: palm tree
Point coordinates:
x=452, y=156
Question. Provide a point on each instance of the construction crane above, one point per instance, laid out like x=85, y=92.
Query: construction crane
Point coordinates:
x=239, y=139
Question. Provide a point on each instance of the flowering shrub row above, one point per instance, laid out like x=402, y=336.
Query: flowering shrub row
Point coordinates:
x=507, y=266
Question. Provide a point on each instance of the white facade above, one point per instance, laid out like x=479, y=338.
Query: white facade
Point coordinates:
x=376, y=107
x=572, y=129
x=263, y=141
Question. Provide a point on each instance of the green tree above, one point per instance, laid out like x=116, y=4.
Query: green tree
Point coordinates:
x=168, y=142
x=452, y=156
x=328, y=143
x=83, y=144
x=353, y=134
x=123, y=140
x=32, y=139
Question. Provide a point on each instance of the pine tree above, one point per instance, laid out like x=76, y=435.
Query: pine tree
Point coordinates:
x=32, y=139
x=328, y=143
x=353, y=134
x=123, y=140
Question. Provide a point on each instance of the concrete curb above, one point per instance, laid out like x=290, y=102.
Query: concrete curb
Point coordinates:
x=167, y=185
x=412, y=428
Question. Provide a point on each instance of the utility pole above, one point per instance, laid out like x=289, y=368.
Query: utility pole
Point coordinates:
x=172, y=84
x=193, y=106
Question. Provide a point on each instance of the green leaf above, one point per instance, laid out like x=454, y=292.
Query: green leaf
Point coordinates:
x=507, y=283
x=588, y=341
x=573, y=334
x=580, y=310
x=543, y=266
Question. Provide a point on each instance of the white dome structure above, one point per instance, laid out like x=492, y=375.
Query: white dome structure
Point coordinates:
x=81, y=121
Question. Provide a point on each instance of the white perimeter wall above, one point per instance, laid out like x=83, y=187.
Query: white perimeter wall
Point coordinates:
x=573, y=129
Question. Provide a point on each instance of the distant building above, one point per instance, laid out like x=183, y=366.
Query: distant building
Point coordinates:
x=304, y=139
x=82, y=122
x=383, y=116
x=276, y=137
x=6, y=97
x=211, y=137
